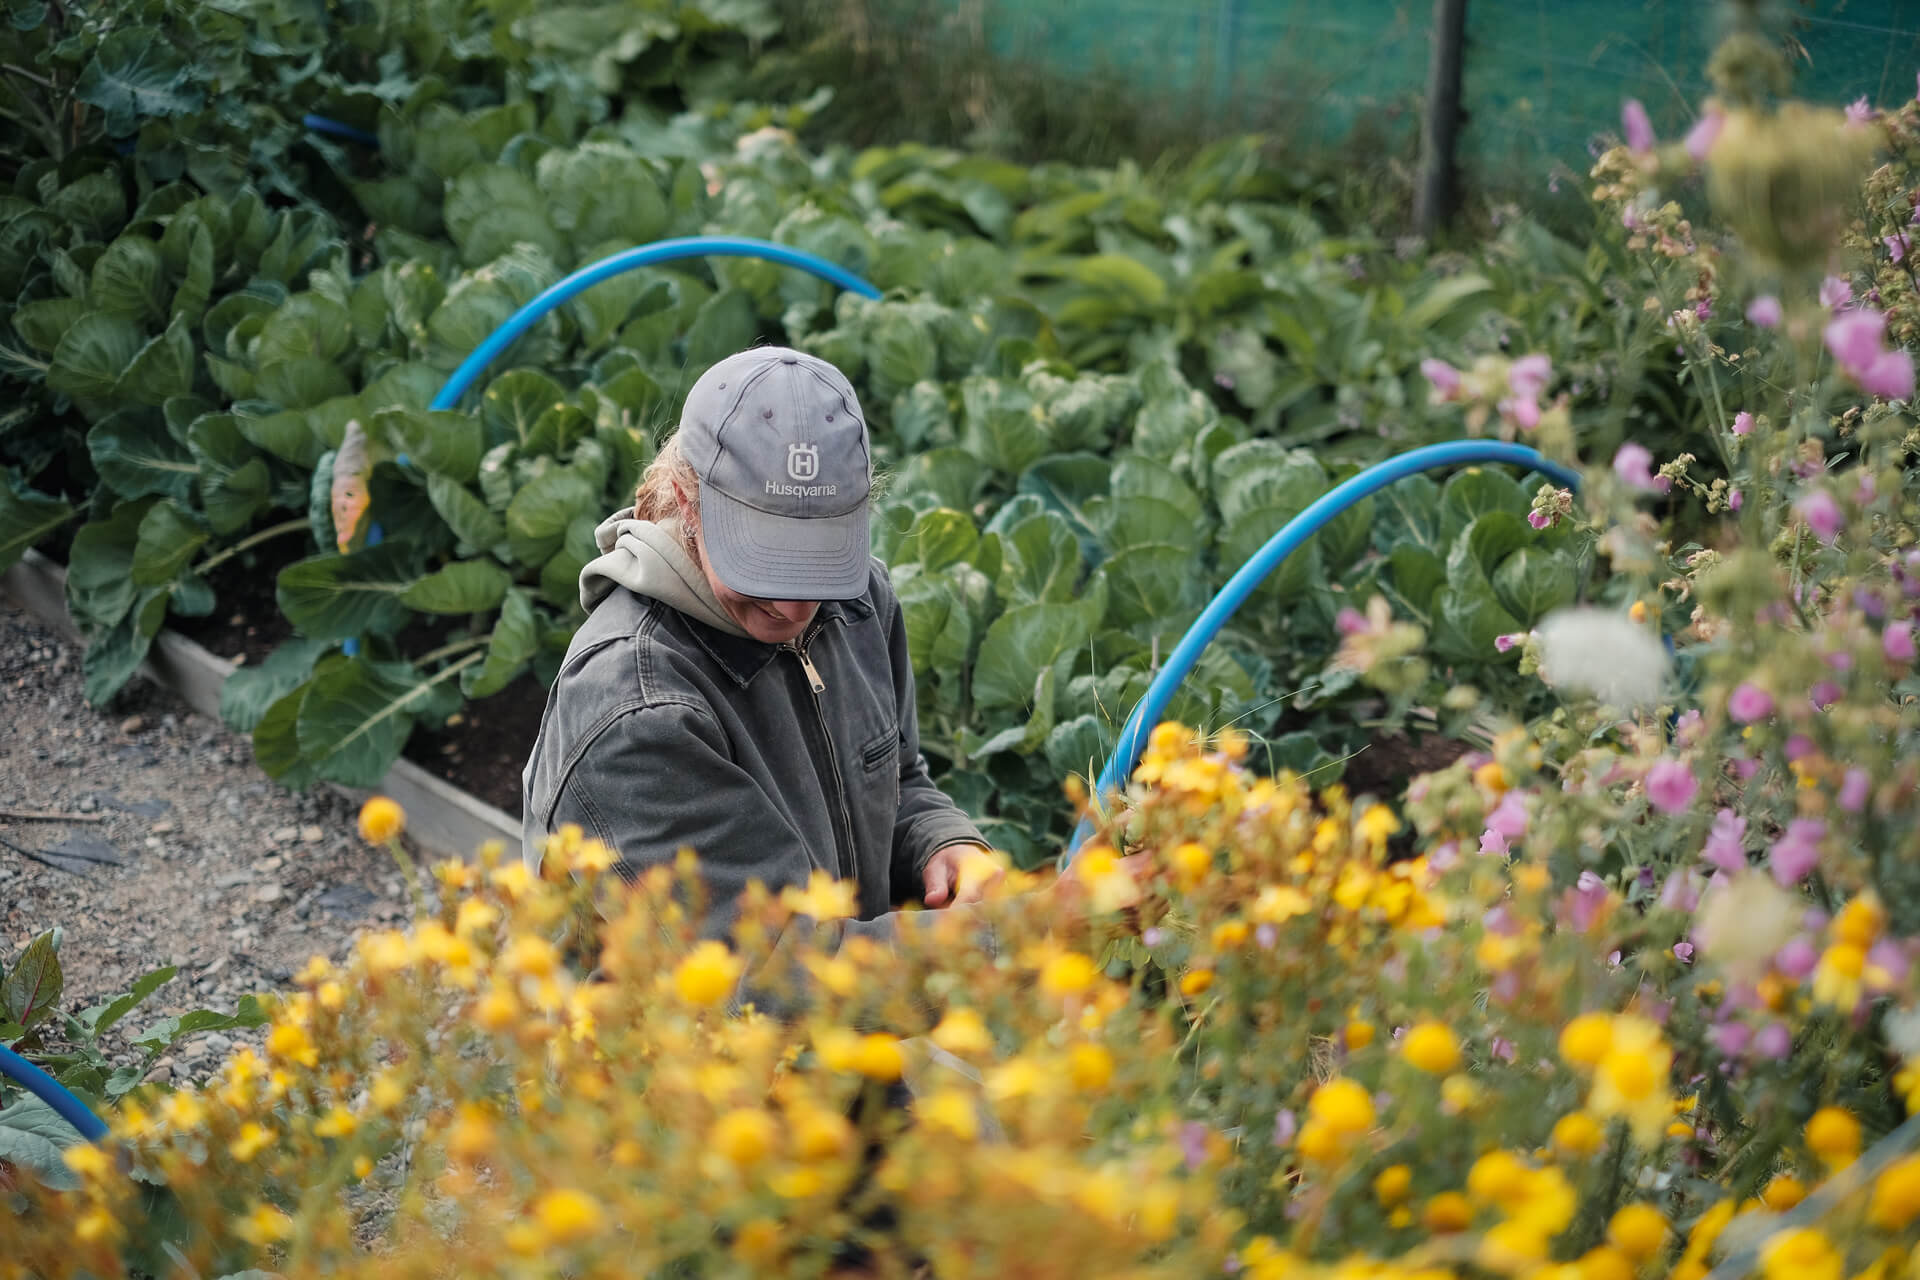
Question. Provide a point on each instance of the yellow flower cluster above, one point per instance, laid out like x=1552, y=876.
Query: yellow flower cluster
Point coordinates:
x=1252, y=1047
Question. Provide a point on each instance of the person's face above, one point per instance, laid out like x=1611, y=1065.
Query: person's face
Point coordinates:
x=768, y=621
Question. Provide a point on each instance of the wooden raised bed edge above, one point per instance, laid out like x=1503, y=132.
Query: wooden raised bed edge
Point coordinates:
x=441, y=818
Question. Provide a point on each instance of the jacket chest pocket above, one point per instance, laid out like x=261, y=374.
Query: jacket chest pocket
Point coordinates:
x=879, y=784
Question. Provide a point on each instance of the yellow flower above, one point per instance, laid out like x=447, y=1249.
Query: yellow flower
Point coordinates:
x=1804, y=1254
x=824, y=898
x=1278, y=904
x=95, y=1224
x=1375, y=825
x=381, y=820
x=1459, y=1093
x=758, y=1243
x=87, y=1160
x=568, y=1216
x=744, y=1137
x=1067, y=973
x=1195, y=981
x=1431, y=1047
x=1090, y=1067
x=1896, y=1195
x=1836, y=980
x=707, y=975
x=337, y=1123
x=1604, y=1262
x=1358, y=1035
x=1490, y=777
x=1585, y=1040
x=1446, y=1213
x=290, y=1043
x=1497, y=1177
x=1229, y=934
x=1343, y=1106
x=265, y=1225
x=1859, y=922
x=1393, y=1184
x=1638, y=1230
x=1834, y=1135
x=878, y=1057
x=950, y=1111
x=1631, y=1080
x=962, y=1032
x=819, y=1134
x=1190, y=864
x=1783, y=1192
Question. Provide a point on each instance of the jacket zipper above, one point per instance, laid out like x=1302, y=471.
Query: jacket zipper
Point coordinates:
x=819, y=686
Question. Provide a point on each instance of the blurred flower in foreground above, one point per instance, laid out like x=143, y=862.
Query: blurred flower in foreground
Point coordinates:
x=1603, y=653
x=381, y=820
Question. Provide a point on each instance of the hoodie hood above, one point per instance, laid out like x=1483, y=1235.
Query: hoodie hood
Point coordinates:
x=651, y=560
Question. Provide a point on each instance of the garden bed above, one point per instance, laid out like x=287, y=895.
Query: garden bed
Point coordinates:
x=440, y=815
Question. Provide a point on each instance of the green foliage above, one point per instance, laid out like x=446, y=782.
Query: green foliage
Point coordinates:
x=1098, y=392
x=68, y=1047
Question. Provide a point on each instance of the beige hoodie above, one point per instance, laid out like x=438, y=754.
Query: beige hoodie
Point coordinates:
x=651, y=560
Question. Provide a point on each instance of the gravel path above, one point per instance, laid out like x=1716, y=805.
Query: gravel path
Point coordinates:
x=222, y=872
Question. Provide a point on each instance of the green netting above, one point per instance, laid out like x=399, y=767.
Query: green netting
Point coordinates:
x=1543, y=78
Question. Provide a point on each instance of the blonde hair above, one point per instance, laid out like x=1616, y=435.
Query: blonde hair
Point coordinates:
x=654, y=500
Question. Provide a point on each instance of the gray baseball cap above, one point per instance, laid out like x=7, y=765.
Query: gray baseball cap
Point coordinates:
x=778, y=441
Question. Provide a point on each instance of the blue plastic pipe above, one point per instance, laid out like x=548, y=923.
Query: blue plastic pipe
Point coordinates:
x=50, y=1091
x=1290, y=538
x=586, y=277
x=322, y=124
x=626, y=260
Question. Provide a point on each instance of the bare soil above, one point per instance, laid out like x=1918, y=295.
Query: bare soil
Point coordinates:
x=200, y=861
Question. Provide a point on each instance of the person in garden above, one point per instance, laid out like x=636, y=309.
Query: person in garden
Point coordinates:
x=742, y=686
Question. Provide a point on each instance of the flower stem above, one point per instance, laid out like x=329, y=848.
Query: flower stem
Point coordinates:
x=251, y=540
x=448, y=650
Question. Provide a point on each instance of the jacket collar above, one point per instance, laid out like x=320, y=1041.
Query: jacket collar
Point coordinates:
x=743, y=657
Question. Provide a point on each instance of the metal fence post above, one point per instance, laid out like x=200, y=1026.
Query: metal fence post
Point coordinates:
x=1433, y=202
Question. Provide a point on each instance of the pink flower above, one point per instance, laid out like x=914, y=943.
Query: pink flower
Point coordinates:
x=1731, y=1038
x=1855, y=336
x=1639, y=129
x=1726, y=848
x=1529, y=375
x=1896, y=641
x=1503, y=1049
x=1509, y=817
x=1896, y=246
x=1444, y=377
x=1671, y=786
x=1749, y=702
x=1764, y=311
x=1796, y=853
x=1745, y=769
x=1350, y=622
x=1522, y=411
x=1634, y=464
x=1797, y=958
x=1682, y=890
x=1824, y=694
x=1743, y=423
x=1774, y=1041
x=1539, y=519
x=1688, y=728
x=1822, y=514
x=1835, y=292
x=1580, y=906
x=1890, y=376
x=1887, y=965
x=1797, y=747
x=1284, y=1127
x=1859, y=111
x=1683, y=952
x=1493, y=843
x=1705, y=132
x=1853, y=790
x=1505, y=643
x=1735, y=499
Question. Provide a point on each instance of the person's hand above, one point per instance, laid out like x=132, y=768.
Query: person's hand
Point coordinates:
x=959, y=874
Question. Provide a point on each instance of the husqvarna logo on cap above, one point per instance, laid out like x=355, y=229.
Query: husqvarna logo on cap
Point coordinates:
x=803, y=461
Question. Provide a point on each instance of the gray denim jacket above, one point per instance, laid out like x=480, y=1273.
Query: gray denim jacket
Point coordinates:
x=770, y=762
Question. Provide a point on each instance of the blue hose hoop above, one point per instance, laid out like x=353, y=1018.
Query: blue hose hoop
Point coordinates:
x=1290, y=538
x=626, y=260
x=586, y=277
x=50, y=1091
